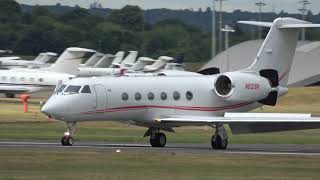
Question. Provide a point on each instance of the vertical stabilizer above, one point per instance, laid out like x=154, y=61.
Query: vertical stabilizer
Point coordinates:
x=45, y=57
x=118, y=58
x=278, y=49
x=93, y=59
x=104, y=62
x=130, y=59
x=69, y=60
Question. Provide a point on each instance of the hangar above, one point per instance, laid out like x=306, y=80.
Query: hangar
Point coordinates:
x=305, y=69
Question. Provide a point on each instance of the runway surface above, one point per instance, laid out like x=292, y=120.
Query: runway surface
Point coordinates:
x=257, y=149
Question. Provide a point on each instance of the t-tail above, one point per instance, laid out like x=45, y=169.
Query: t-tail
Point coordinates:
x=278, y=49
x=69, y=60
x=267, y=78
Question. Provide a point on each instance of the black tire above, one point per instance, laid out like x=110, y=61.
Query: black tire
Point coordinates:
x=67, y=141
x=153, y=141
x=63, y=140
x=158, y=140
x=162, y=139
x=219, y=143
x=70, y=140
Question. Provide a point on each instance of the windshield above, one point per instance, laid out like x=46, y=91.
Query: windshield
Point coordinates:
x=72, y=89
x=86, y=90
x=61, y=88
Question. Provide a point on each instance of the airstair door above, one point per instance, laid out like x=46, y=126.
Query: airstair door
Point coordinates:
x=101, y=96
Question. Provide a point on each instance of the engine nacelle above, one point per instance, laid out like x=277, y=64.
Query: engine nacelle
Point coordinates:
x=242, y=87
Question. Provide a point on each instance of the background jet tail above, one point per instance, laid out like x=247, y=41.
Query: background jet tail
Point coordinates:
x=93, y=59
x=118, y=58
x=278, y=48
x=130, y=59
x=69, y=60
x=105, y=62
x=45, y=57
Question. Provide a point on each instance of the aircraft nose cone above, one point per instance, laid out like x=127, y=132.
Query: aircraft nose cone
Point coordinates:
x=47, y=110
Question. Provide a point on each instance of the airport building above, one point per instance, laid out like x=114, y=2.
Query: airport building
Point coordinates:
x=305, y=68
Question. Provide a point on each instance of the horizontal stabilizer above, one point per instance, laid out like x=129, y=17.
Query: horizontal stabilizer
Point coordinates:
x=256, y=23
x=296, y=25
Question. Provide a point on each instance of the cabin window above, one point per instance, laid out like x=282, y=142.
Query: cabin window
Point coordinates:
x=13, y=79
x=22, y=79
x=189, y=95
x=72, y=89
x=138, y=96
x=163, y=96
x=150, y=96
x=86, y=89
x=176, y=95
x=3, y=78
x=31, y=79
x=125, y=96
x=61, y=88
x=40, y=79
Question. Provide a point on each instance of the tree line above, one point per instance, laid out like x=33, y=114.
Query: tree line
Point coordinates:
x=124, y=29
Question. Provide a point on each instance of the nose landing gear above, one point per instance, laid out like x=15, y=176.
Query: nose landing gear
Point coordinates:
x=67, y=139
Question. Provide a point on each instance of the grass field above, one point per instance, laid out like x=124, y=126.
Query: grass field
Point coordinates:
x=34, y=126
x=67, y=164
x=95, y=164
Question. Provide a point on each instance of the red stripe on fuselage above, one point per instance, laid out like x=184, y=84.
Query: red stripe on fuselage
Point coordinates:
x=187, y=108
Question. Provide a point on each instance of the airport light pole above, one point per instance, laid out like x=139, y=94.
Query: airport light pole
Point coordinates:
x=220, y=23
x=213, y=31
x=260, y=4
x=303, y=11
x=227, y=29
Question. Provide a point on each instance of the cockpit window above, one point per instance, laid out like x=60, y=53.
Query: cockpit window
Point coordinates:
x=72, y=89
x=86, y=89
x=61, y=88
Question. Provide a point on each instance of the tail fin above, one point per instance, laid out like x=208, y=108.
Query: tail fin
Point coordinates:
x=45, y=57
x=104, y=62
x=279, y=47
x=118, y=58
x=69, y=60
x=130, y=59
x=160, y=63
x=93, y=59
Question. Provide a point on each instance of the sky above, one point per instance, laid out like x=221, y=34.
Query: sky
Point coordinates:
x=229, y=5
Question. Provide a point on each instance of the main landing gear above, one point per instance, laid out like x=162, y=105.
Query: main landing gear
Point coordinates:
x=67, y=139
x=220, y=139
x=157, y=139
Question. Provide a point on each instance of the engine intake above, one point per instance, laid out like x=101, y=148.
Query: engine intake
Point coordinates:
x=223, y=86
x=242, y=87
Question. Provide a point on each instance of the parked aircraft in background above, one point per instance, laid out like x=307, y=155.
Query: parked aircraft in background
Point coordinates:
x=23, y=80
x=163, y=103
x=128, y=64
x=39, y=61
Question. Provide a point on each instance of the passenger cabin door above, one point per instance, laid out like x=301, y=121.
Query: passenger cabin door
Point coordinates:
x=101, y=96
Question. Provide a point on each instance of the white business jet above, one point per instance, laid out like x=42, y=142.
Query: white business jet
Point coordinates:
x=113, y=67
x=163, y=103
x=22, y=80
x=15, y=62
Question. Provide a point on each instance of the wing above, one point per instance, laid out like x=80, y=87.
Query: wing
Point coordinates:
x=242, y=123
